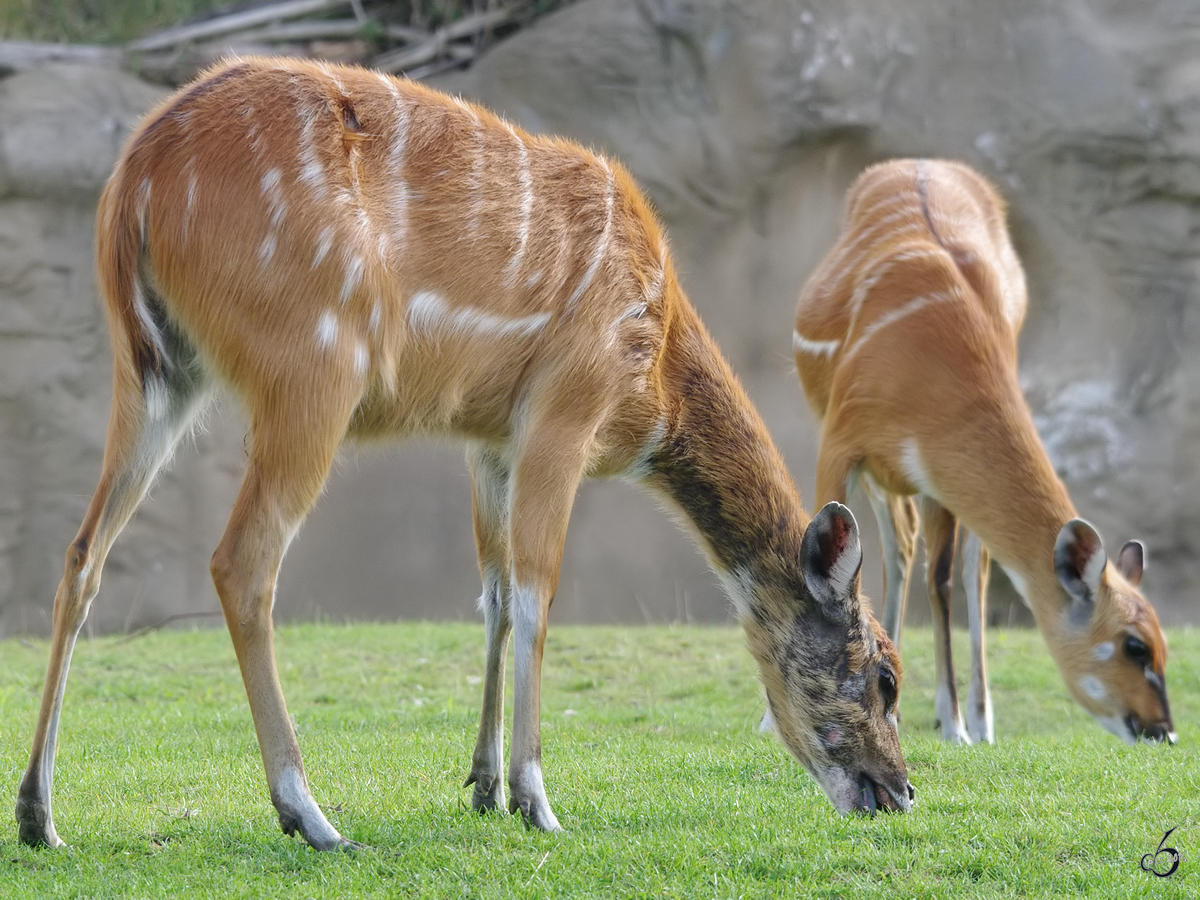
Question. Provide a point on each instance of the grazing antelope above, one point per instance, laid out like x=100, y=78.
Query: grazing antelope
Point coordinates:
x=358, y=256
x=906, y=343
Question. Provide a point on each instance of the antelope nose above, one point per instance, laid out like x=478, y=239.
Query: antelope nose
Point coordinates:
x=912, y=792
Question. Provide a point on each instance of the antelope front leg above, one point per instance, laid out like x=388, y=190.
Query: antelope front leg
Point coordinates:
x=980, y=721
x=545, y=478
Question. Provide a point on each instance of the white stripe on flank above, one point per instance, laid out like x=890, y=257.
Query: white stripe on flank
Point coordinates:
x=429, y=314
x=324, y=245
x=396, y=163
x=801, y=344
x=143, y=201
x=914, y=469
x=312, y=173
x=477, y=173
x=354, y=274
x=526, y=178
x=328, y=73
x=191, y=191
x=327, y=329
x=376, y=316
x=267, y=250
x=601, y=244
x=894, y=315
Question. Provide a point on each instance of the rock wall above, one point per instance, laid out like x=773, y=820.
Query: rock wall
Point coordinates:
x=745, y=121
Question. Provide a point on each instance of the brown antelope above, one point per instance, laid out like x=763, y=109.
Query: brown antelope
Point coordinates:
x=358, y=256
x=906, y=344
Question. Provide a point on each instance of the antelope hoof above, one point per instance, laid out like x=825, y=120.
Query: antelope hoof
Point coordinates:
x=34, y=825
x=535, y=813
x=488, y=794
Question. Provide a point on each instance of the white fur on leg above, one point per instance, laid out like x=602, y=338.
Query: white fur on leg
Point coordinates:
x=947, y=713
x=298, y=809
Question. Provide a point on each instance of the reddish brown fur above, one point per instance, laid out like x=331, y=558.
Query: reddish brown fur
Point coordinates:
x=361, y=257
x=886, y=372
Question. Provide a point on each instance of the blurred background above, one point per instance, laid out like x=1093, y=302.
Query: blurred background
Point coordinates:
x=745, y=121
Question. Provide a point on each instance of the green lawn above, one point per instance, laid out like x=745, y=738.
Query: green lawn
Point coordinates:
x=652, y=762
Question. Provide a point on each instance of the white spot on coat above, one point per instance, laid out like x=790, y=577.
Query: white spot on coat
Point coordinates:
x=1103, y=651
x=327, y=329
x=362, y=359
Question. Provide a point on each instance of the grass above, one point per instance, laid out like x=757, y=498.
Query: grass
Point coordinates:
x=652, y=762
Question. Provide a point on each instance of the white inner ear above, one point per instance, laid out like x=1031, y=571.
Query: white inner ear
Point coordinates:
x=841, y=573
x=1093, y=569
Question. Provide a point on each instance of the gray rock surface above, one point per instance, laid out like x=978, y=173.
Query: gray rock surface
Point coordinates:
x=745, y=121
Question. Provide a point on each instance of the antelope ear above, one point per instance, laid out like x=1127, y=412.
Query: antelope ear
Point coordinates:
x=1130, y=561
x=830, y=559
x=1079, y=560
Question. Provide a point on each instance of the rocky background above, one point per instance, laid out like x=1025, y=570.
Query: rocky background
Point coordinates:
x=745, y=120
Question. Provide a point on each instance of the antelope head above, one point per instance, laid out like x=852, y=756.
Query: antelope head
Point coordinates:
x=1113, y=653
x=832, y=676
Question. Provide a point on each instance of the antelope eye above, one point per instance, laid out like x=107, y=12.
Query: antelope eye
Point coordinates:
x=1137, y=651
x=887, y=688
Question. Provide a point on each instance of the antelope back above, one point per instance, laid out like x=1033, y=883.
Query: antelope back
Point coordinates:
x=289, y=213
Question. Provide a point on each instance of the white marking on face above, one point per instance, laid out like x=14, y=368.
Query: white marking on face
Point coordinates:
x=801, y=344
x=525, y=176
x=601, y=244
x=324, y=245
x=327, y=329
x=354, y=274
x=362, y=360
x=914, y=469
x=1093, y=687
x=430, y=314
x=1103, y=651
x=1118, y=726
